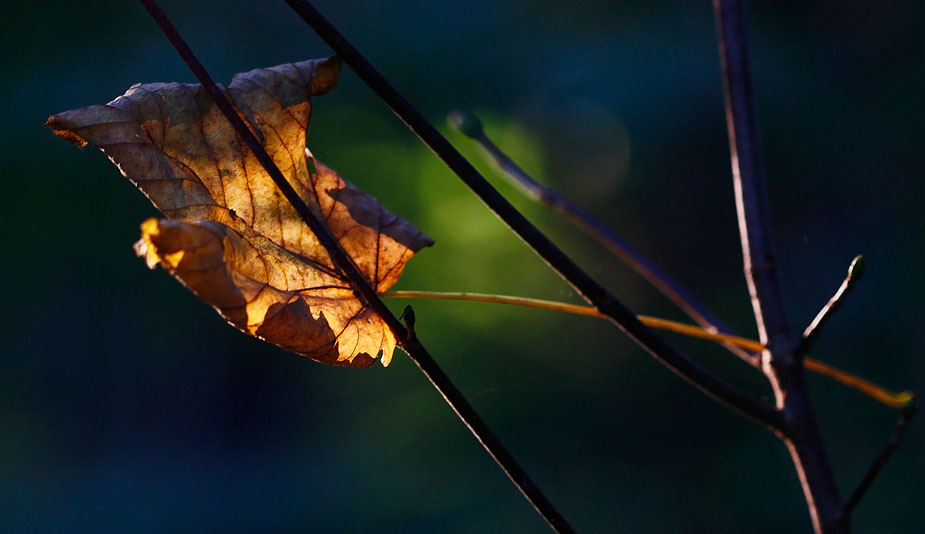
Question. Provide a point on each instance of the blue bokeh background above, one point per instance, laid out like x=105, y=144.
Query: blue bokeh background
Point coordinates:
x=127, y=405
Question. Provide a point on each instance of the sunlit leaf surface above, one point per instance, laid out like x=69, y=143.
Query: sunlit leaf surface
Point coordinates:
x=231, y=237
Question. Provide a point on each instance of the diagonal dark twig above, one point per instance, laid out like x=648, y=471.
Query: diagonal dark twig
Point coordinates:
x=468, y=124
x=855, y=271
x=783, y=369
x=880, y=461
x=471, y=126
x=366, y=292
x=590, y=289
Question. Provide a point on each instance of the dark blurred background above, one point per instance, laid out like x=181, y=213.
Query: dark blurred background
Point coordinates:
x=128, y=405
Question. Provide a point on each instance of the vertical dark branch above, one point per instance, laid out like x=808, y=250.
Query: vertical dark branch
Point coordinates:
x=748, y=175
x=783, y=368
x=364, y=290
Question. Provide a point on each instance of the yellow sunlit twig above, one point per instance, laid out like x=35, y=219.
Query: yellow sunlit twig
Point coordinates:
x=890, y=398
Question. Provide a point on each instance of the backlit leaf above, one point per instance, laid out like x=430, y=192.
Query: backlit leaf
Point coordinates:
x=231, y=237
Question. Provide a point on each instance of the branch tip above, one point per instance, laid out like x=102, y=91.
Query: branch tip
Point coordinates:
x=874, y=391
x=407, y=315
x=856, y=270
x=466, y=122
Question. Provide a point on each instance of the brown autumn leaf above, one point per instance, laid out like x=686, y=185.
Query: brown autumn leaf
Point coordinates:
x=231, y=237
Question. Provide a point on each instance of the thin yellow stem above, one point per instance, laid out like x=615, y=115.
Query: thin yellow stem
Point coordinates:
x=653, y=322
x=890, y=398
x=696, y=331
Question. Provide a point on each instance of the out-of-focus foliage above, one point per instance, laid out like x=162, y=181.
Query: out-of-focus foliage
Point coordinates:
x=108, y=423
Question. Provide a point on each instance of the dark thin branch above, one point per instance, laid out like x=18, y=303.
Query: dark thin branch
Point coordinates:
x=880, y=461
x=471, y=126
x=783, y=369
x=748, y=175
x=366, y=292
x=855, y=271
x=591, y=290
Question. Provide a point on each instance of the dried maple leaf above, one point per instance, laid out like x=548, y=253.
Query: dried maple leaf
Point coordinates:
x=231, y=236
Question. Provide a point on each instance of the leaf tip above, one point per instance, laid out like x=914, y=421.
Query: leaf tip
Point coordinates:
x=144, y=247
x=61, y=130
x=385, y=357
x=327, y=73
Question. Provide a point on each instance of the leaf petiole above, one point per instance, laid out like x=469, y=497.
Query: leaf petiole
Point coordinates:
x=881, y=394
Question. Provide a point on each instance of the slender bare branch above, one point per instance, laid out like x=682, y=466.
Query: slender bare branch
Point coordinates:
x=855, y=271
x=748, y=175
x=366, y=292
x=783, y=369
x=471, y=126
x=586, y=286
x=880, y=461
